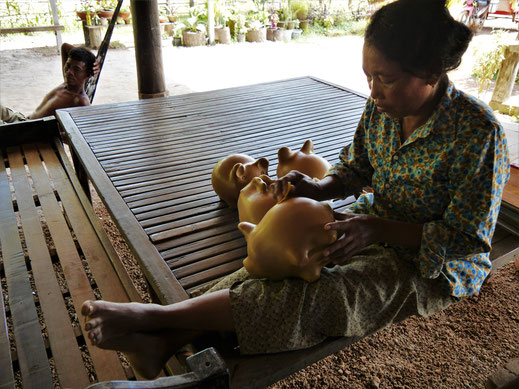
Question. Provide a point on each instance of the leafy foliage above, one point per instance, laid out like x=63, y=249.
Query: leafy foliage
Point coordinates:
x=488, y=60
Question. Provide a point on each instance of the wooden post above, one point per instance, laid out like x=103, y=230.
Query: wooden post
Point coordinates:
x=55, y=20
x=148, y=49
x=505, y=81
x=210, y=21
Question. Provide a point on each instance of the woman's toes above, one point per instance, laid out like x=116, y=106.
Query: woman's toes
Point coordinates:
x=87, y=309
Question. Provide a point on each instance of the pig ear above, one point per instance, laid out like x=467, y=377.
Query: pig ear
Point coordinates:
x=263, y=164
x=308, y=147
x=259, y=184
x=238, y=171
x=284, y=153
x=246, y=228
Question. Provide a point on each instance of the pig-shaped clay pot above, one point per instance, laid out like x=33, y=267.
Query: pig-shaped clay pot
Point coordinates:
x=233, y=172
x=255, y=200
x=289, y=240
x=304, y=161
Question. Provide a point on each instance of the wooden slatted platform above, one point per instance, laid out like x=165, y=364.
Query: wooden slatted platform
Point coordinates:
x=151, y=163
x=159, y=155
x=54, y=255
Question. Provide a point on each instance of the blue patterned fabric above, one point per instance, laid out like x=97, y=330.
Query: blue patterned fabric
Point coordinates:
x=448, y=175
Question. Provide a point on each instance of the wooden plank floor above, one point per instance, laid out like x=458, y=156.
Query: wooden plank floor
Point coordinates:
x=159, y=154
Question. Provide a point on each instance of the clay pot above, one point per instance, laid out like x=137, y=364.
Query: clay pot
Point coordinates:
x=107, y=14
x=240, y=38
x=304, y=25
x=222, y=35
x=193, y=38
x=81, y=15
x=290, y=25
x=289, y=240
x=173, y=18
x=256, y=35
x=304, y=161
x=124, y=15
x=255, y=200
x=232, y=173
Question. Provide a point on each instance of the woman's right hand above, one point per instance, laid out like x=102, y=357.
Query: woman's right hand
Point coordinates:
x=295, y=184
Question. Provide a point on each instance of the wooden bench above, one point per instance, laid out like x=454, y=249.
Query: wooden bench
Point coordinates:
x=54, y=255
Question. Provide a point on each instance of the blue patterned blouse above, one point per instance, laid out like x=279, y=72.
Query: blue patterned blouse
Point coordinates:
x=449, y=175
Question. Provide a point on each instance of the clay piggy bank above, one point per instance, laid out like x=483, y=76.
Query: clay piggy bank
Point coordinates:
x=233, y=172
x=289, y=240
x=304, y=161
x=255, y=200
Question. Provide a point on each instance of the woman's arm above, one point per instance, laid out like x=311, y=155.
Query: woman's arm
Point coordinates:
x=361, y=230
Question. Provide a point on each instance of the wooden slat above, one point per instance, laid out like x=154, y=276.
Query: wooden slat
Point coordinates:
x=63, y=343
x=106, y=363
x=33, y=360
x=17, y=30
x=6, y=366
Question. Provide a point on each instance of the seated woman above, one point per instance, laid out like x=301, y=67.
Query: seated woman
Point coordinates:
x=437, y=161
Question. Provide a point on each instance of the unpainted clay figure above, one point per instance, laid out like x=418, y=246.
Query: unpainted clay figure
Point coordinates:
x=289, y=240
x=304, y=161
x=233, y=173
x=255, y=200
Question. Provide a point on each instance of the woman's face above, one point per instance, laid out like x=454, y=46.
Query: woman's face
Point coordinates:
x=396, y=92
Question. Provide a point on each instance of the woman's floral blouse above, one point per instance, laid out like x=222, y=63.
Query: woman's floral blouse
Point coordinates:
x=449, y=175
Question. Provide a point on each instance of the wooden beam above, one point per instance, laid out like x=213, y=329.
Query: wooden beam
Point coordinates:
x=55, y=20
x=148, y=49
x=17, y=30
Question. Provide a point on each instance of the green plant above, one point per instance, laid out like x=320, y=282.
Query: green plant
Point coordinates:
x=488, y=60
x=300, y=8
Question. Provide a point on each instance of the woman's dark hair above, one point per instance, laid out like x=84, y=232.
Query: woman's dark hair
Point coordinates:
x=84, y=55
x=420, y=35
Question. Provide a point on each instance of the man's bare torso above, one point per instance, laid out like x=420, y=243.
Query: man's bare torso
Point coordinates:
x=59, y=97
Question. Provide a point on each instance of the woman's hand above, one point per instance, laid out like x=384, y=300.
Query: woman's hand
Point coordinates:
x=295, y=184
x=355, y=231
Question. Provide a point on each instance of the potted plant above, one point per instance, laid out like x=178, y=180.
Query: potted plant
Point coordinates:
x=222, y=33
x=177, y=34
x=125, y=14
x=296, y=32
x=193, y=33
x=256, y=32
x=239, y=28
x=85, y=11
x=274, y=19
x=106, y=8
x=171, y=13
x=301, y=10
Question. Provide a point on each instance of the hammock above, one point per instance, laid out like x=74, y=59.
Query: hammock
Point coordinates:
x=101, y=54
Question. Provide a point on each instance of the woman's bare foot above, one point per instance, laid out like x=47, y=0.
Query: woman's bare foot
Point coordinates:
x=105, y=321
x=147, y=352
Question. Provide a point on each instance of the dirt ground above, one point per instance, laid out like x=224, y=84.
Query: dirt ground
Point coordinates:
x=457, y=348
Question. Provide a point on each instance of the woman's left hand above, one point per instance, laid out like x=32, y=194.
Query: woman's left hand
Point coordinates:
x=355, y=231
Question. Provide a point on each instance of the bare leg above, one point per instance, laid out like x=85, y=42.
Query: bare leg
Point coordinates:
x=106, y=321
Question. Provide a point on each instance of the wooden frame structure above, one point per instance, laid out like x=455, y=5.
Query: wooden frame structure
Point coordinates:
x=56, y=27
